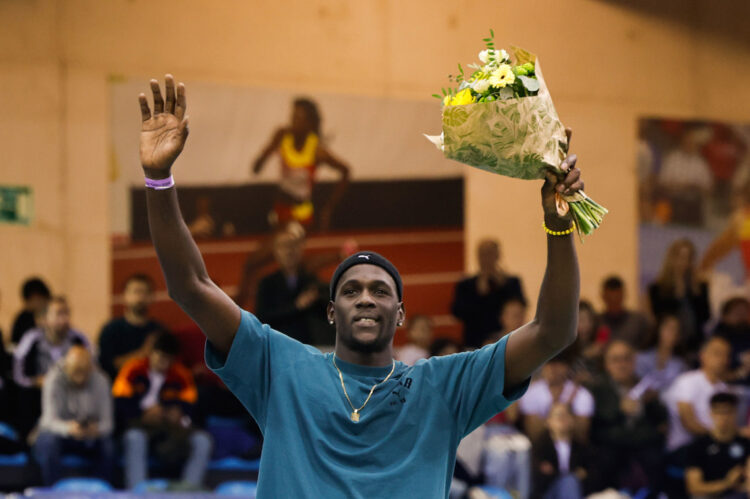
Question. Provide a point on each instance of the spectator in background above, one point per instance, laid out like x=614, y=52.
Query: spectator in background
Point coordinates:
x=9, y=440
x=629, y=424
x=512, y=316
x=734, y=326
x=419, y=339
x=660, y=365
x=679, y=290
x=686, y=178
x=555, y=386
x=291, y=299
x=154, y=397
x=560, y=463
x=688, y=398
x=131, y=335
x=585, y=354
x=35, y=295
x=76, y=417
x=718, y=462
x=629, y=326
x=39, y=350
x=478, y=300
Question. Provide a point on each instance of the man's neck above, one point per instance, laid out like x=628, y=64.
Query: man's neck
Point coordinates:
x=135, y=319
x=560, y=437
x=53, y=337
x=723, y=436
x=711, y=377
x=384, y=358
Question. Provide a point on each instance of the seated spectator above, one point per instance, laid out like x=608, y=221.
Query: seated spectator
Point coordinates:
x=629, y=425
x=76, y=417
x=35, y=295
x=585, y=354
x=555, y=386
x=9, y=443
x=131, y=335
x=39, y=350
x=560, y=463
x=734, y=326
x=512, y=316
x=291, y=299
x=679, y=290
x=154, y=397
x=718, y=462
x=419, y=337
x=687, y=399
x=478, y=300
x=660, y=365
x=623, y=324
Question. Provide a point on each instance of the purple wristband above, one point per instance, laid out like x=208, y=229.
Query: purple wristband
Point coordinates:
x=160, y=184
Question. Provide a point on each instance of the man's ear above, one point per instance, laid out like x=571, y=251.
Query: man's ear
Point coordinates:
x=401, y=313
x=330, y=312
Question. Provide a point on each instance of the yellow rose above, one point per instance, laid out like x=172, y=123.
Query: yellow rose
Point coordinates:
x=461, y=98
x=502, y=76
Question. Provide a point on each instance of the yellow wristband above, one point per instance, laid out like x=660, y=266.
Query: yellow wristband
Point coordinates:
x=559, y=232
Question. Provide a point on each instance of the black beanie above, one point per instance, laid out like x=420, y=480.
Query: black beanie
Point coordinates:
x=370, y=258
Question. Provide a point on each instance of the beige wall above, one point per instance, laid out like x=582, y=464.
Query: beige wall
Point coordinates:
x=605, y=66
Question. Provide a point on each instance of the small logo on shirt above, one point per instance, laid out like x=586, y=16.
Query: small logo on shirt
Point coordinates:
x=713, y=449
x=735, y=451
x=400, y=393
x=366, y=257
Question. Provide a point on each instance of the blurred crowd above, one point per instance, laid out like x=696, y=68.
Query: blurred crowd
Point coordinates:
x=652, y=402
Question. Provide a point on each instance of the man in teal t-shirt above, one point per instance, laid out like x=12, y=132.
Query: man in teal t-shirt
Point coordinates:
x=353, y=423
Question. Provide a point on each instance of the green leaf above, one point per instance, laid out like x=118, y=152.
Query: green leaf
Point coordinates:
x=492, y=33
x=436, y=96
x=530, y=84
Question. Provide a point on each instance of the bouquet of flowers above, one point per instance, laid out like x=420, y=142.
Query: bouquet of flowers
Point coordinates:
x=501, y=119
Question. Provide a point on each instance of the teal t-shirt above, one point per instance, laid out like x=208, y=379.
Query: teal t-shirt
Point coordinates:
x=404, y=444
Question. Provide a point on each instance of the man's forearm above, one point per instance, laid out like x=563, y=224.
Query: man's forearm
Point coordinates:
x=178, y=254
x=557, y=307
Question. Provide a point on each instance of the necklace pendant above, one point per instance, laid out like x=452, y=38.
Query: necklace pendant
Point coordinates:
x=355, y=417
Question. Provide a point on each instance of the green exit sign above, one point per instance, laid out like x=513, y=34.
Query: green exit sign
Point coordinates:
x=16, y=205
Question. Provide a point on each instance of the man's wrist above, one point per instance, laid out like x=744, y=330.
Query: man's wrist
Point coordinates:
x=157, y=173
x=556, y=223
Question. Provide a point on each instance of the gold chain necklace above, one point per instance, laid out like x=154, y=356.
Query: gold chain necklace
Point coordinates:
x=355, y=412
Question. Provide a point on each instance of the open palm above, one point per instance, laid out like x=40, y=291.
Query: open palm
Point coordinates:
x=164, y=132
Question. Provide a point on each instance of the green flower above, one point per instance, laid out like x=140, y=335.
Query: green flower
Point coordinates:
x=520, y=71
x=529, y=67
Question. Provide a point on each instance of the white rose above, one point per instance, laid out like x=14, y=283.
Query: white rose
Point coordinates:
x=484, y=55
x=481, y=86
x=503, y=56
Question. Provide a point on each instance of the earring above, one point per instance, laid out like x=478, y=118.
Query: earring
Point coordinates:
x=330, y=322
x=400, y=323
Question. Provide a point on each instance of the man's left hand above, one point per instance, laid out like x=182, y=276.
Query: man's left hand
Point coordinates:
x=555, y=186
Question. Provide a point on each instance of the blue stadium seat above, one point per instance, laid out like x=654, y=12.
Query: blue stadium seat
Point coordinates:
x=82, y=485
x=8, y=432
x=75, y=461
x=20, y=459
x=495, y=492
x=237, y=489
x=234, y=464
x=153, y=485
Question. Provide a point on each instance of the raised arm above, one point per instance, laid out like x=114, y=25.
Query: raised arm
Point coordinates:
x=163, y=136
x=554, y=325
x=272, y=145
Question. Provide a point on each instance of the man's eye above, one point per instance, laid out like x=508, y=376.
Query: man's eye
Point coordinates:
x=348, y=292
x=381, y=292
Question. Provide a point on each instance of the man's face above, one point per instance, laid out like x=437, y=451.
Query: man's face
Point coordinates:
x=737, y=315
x=724, y=417
x=620, y=363
x=300, y=120
x=138, y=296
x=160, y=362
x=555, y=372
x=37, y=302
x=58, y=317
x=715, y=357
x=78, y=366
x=366, y=309
x=613, y=298
x=287, y=250
x=488, y=255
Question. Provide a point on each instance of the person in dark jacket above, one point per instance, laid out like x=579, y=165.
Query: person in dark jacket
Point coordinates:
x=679, y=290
x=291, y=299
x=478, y=300
x=629, y=424
x=559, y=462
x=36, y=295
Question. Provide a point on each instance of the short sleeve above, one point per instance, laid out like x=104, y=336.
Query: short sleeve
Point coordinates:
x=473, y=384
x=681, y=390
x=583, y=403
x=248, y=368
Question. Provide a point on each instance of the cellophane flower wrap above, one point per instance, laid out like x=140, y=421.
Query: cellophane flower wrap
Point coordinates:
x=502, y=120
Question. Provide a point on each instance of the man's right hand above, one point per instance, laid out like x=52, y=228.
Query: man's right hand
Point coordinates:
x=734, y=477
x=164, y=132
x=76, y=430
